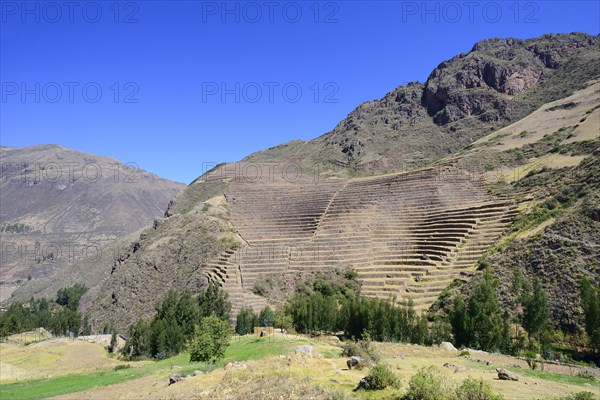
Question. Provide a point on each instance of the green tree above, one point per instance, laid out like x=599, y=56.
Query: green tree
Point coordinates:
x=266, y=317
x=210, y=340
x=283, y=320
x=536, y=315
x=245, y=321
x=113, y=342
x=440, y=331
x=213, y=301
x=590, y=302
x=70, y=296
x=458, y=321
x=420, y=332
x=138, y=342
x=65, y=321
x=485, y=325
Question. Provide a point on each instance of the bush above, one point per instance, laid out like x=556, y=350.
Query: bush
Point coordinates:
x=352, y=349
x=578, y=396
x=472, y=389
x=379, y=378
x=364, y=350
x=122, y=366
x=428, y=384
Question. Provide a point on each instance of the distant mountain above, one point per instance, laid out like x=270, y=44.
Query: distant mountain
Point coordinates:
x=58, y=206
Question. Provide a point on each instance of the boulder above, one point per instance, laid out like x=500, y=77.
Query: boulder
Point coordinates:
x=175, y=378
x=506, y=375
x=354, y=361
x=448, y=346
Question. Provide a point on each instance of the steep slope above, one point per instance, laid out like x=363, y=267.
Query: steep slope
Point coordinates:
x=465, y=98
x=408, y=233
x=60, y=205
x=551, y=161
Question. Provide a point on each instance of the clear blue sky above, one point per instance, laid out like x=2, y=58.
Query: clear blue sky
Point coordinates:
x=173, y=60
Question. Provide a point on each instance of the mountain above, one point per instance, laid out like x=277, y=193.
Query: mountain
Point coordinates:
x=412, y=191
x=465, y=98
x=550, y=162
x=59, y=206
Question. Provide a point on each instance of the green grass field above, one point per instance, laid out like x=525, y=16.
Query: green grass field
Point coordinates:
x=241, y=349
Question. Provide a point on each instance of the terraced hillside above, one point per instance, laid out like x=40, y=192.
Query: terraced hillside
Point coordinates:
x=353, y=197
x=407, y=235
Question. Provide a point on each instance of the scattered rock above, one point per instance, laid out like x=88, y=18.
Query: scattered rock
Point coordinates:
x=460, y=368
x=197, y=373
x=506, y=375
x=449, y=365
x=305, y=348
x=236, y=365
x=448, y=346
x=175, y=378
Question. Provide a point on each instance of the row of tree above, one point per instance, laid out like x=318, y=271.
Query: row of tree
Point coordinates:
x=60, y=316
x=482, y=323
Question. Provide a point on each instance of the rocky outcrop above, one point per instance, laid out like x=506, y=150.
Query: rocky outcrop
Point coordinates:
x=497, y=82
x=469, y=84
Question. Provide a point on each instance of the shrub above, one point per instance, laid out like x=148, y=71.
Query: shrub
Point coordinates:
x=428, y=384
x=122, y=366
x=578, y=396
x=379, y=378
x=352, y=349
x=531, y=358
x=472, y=389
x=364, y=350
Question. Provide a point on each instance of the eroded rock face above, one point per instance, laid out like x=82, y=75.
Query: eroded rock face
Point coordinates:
x=505, y=66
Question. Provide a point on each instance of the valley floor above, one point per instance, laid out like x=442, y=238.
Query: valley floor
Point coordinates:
x=261, y=368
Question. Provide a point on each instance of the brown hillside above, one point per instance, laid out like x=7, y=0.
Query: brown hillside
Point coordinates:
x=59, y=206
